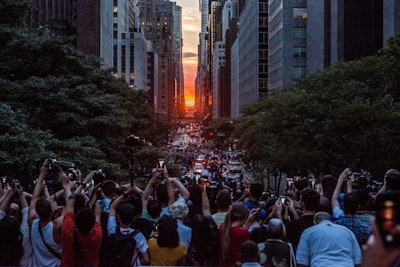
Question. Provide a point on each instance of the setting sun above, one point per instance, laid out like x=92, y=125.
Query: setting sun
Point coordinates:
x=189, y=101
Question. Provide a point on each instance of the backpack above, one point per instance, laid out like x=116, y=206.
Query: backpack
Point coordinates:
x=121, y=249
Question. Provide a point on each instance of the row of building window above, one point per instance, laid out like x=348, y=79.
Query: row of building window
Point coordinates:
x=299, y=13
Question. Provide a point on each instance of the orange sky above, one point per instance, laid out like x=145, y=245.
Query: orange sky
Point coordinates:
x=190, y=29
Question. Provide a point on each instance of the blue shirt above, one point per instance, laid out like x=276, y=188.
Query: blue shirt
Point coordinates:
x=185, y=233
x=250, y=205
x=328, y=244
x=360, y=229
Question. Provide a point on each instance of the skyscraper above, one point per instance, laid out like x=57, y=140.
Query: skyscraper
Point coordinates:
x=345, y=30
x=287, y=42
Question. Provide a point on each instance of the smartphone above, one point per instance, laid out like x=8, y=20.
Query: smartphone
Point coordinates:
x=312, y=183
x=283, y=199
x=388, y=216
x=161, y=164
x=290, y=182
x=4, y=181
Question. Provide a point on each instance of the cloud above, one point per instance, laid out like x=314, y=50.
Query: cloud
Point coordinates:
x=189, y=54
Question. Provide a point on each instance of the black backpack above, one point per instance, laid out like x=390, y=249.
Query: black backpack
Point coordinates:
x=121, y=249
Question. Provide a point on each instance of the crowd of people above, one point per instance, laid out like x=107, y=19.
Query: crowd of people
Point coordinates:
x=168, y=224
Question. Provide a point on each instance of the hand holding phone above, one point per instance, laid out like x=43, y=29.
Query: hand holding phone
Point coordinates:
x=388, y=217
x=161, y=164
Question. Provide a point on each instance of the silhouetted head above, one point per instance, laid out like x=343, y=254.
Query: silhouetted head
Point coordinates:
x=84, y=220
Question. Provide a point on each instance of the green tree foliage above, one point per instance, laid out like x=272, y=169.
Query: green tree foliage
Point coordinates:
x=345, y=115
x=13, y=12
x=222, y=125
x=57, y=103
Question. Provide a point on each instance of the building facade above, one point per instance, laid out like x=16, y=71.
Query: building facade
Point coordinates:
x=287, y=42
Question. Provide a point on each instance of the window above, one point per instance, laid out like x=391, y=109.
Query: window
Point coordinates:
x=299, y=32
x=298, y=71
x=299, y=52
x=299, y=13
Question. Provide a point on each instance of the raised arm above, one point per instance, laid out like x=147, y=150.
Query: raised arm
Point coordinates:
x=205, y=203
x=114, y=205
x=145, y=197
x=182, y=189
x=71, y=198
x=170, y=190
x=338, y=188
x=6, y=199
x=22, y=199
x=36, y=193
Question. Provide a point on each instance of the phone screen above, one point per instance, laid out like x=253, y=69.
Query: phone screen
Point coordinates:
x=161, y=164
x=388, y=216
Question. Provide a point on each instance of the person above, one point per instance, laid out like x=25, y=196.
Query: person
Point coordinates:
x=125, y=216
x=327, y=244
x=253, y=201
x=391, y=181
x=375, y=253
x=81, y=230
x=275, y=251
x=145, y=226
x=324, y=204
x=108, y=190
x=151, y=208
x=165, y=248
x=249, y=254
x=165, y=192
x=223, y=202
x=309, y=202
x=328, y=183
x=179, y=211
x=347, y=216
x=203, y=248
x=11, y=242
x=45, y=233
x=233, y=232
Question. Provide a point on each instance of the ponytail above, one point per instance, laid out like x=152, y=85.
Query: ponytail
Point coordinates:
x=225, y=241
x=238, y=212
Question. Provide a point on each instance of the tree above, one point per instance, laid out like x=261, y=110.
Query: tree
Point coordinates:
x=13, y=12
x=58, y=103
x=345, y=115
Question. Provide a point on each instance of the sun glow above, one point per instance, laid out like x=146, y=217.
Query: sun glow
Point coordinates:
x=189, y=101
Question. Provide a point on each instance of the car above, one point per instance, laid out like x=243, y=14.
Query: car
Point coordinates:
x=198, y=168
x=235, y=166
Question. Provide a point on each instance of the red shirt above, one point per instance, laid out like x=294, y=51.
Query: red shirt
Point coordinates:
x=237, y=236
x=89, y=244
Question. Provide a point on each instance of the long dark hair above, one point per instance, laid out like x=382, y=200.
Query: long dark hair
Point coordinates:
x=10, y=242
x=167, y=232
x=205, y=240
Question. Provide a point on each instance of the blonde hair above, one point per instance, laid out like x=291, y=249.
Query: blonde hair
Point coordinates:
x=238, y=212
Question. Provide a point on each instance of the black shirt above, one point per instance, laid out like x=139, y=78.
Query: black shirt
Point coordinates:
x=295, y=228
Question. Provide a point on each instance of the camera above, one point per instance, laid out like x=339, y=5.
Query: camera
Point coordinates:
x=89, y=185
x=72, y=174
x=15, y=183
x=364, y=180
x=133, y=141
x=388, y=217
x=54, y=165
x=99, y=177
